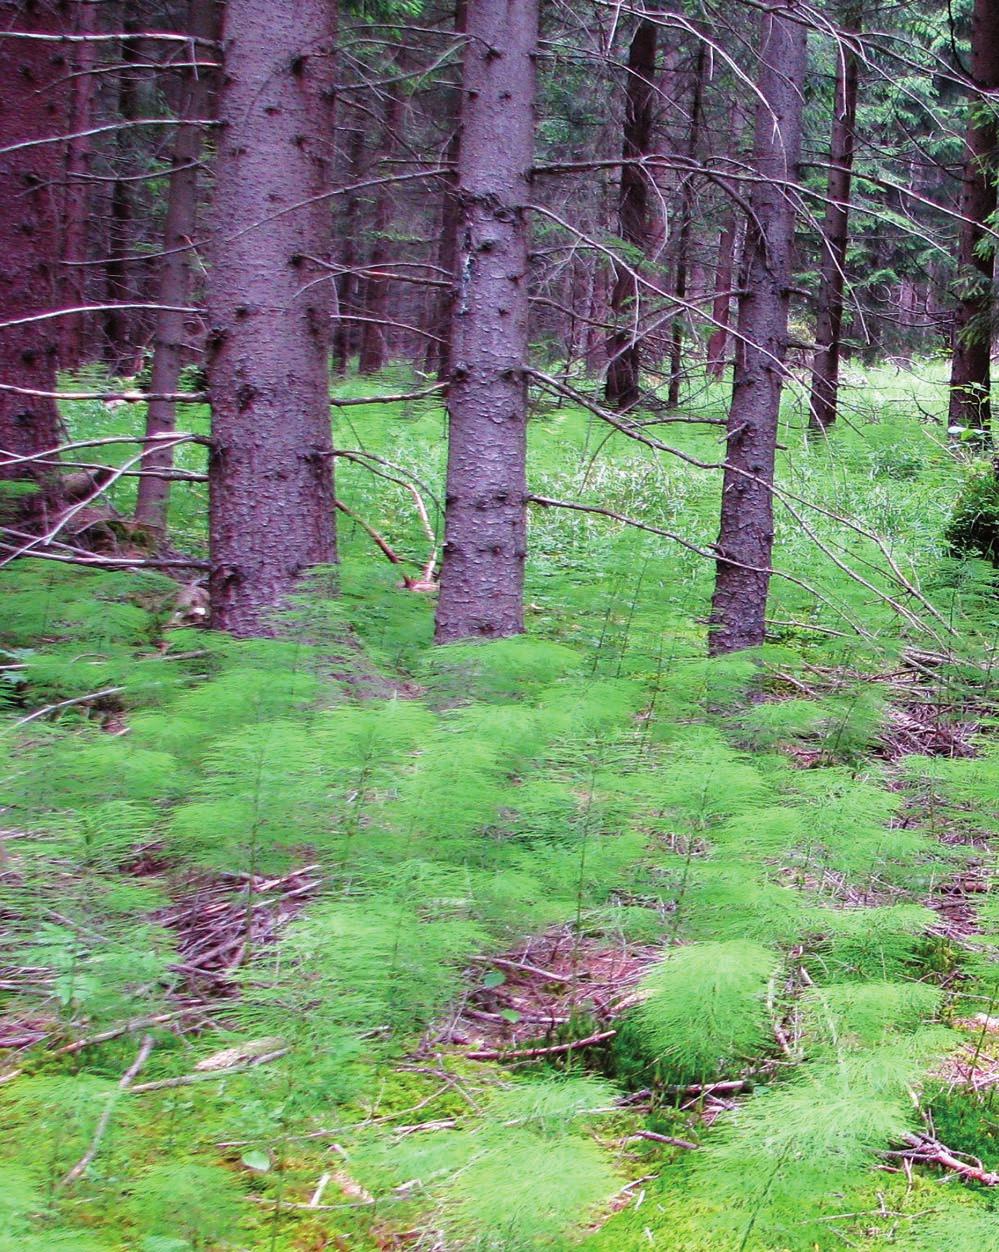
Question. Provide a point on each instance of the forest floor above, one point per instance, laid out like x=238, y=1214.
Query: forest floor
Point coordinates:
x=575, y=940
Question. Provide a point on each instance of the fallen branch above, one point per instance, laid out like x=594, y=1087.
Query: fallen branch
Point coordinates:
x=186, y=1080
x=85, y=1161
x=65, y=704
x=522, y=968
x=924, y=1150
x=655, y=1137
x=527, y=1054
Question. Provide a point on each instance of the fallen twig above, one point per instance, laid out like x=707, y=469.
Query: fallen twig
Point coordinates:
x=655, y=1137
x=85, y=1161
x=186, y=1080
x=522, y=1054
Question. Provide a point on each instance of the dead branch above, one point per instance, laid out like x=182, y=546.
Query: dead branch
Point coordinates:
x=85, y=1161
x=527, y=1054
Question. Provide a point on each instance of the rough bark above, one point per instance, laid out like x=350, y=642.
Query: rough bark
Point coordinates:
x=270, y=471
x=720, y=310
x=836, y=235
x=971, y=372
x=32, y=106
x=374, y=349
x=686, y=227
x=76, y=190
x=119, y=288
x=485, y=541
x=745, y=541
x=347, y=285
x=175, y=274
x=623, y=388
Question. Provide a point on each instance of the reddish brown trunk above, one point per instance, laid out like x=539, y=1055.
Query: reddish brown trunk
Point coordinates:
x=374, y=348
x=76, y=197
x=270, y=473
x=836, y=235
x=175, y=273
x=686, y=228
x=623, y=387
x=32, y=106
x=745, y=540
x=347, y=283
x=118, y=345
x=724, y=270
x=485, y=516
x=971, y=368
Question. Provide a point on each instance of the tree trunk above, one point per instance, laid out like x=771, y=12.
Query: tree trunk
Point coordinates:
x=835, y=235
x=724, y=271
x=745, y=540
x=175, y=273
x=76, y=192
x=686, y=227
x=439, y=349
x=971, y=368
x=374, y=349
x=271, y=471
x=485, y=515
x=33, y=106
x=118, y=337
x=347, y=284
x=623, y=389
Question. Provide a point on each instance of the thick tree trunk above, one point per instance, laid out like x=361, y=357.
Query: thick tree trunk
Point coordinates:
x=270, y=472
x=485, y=539
x=76, y=192
x=971, y=370
x=686, y=228
x=374, y=348
x=745, y=541
x=175, y=273
x=32, y=106
x=119, y=288
x=623, y=389
x=836, y=235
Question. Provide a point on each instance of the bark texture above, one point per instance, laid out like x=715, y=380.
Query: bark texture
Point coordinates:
x=485, y=539
x=836, y=237
x=374, y=349
x=33, y=105
x=623, y=388
x=971, y=369
x=175, y=273
x=686, y=226
x=76, y=191
x=745, y=541
x=120, y=287
x=270, y=472
x=724, y=272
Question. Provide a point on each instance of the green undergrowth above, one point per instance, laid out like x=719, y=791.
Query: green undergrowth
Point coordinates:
x=738, y=817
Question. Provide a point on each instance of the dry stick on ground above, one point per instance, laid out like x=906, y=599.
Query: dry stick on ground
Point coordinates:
x=64, y=704
x=924, y=1150
x=527, y=1054
x=85, y=1161
x=187, y=1080
x=655, y=1137
x=519, y=967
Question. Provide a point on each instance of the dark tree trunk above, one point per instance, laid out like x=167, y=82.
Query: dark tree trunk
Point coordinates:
x=270, y=472
x=836, y=235
x=686, y=228
x=971, y=369
x=724, y=271
x=175, y=272
x=623, y=388
x=745, y=540
x=485, y=516
x=374, y=348
x=347, y=285
x=76, y=192
x=118, y=337
x=439, y=348
x=32, y=106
